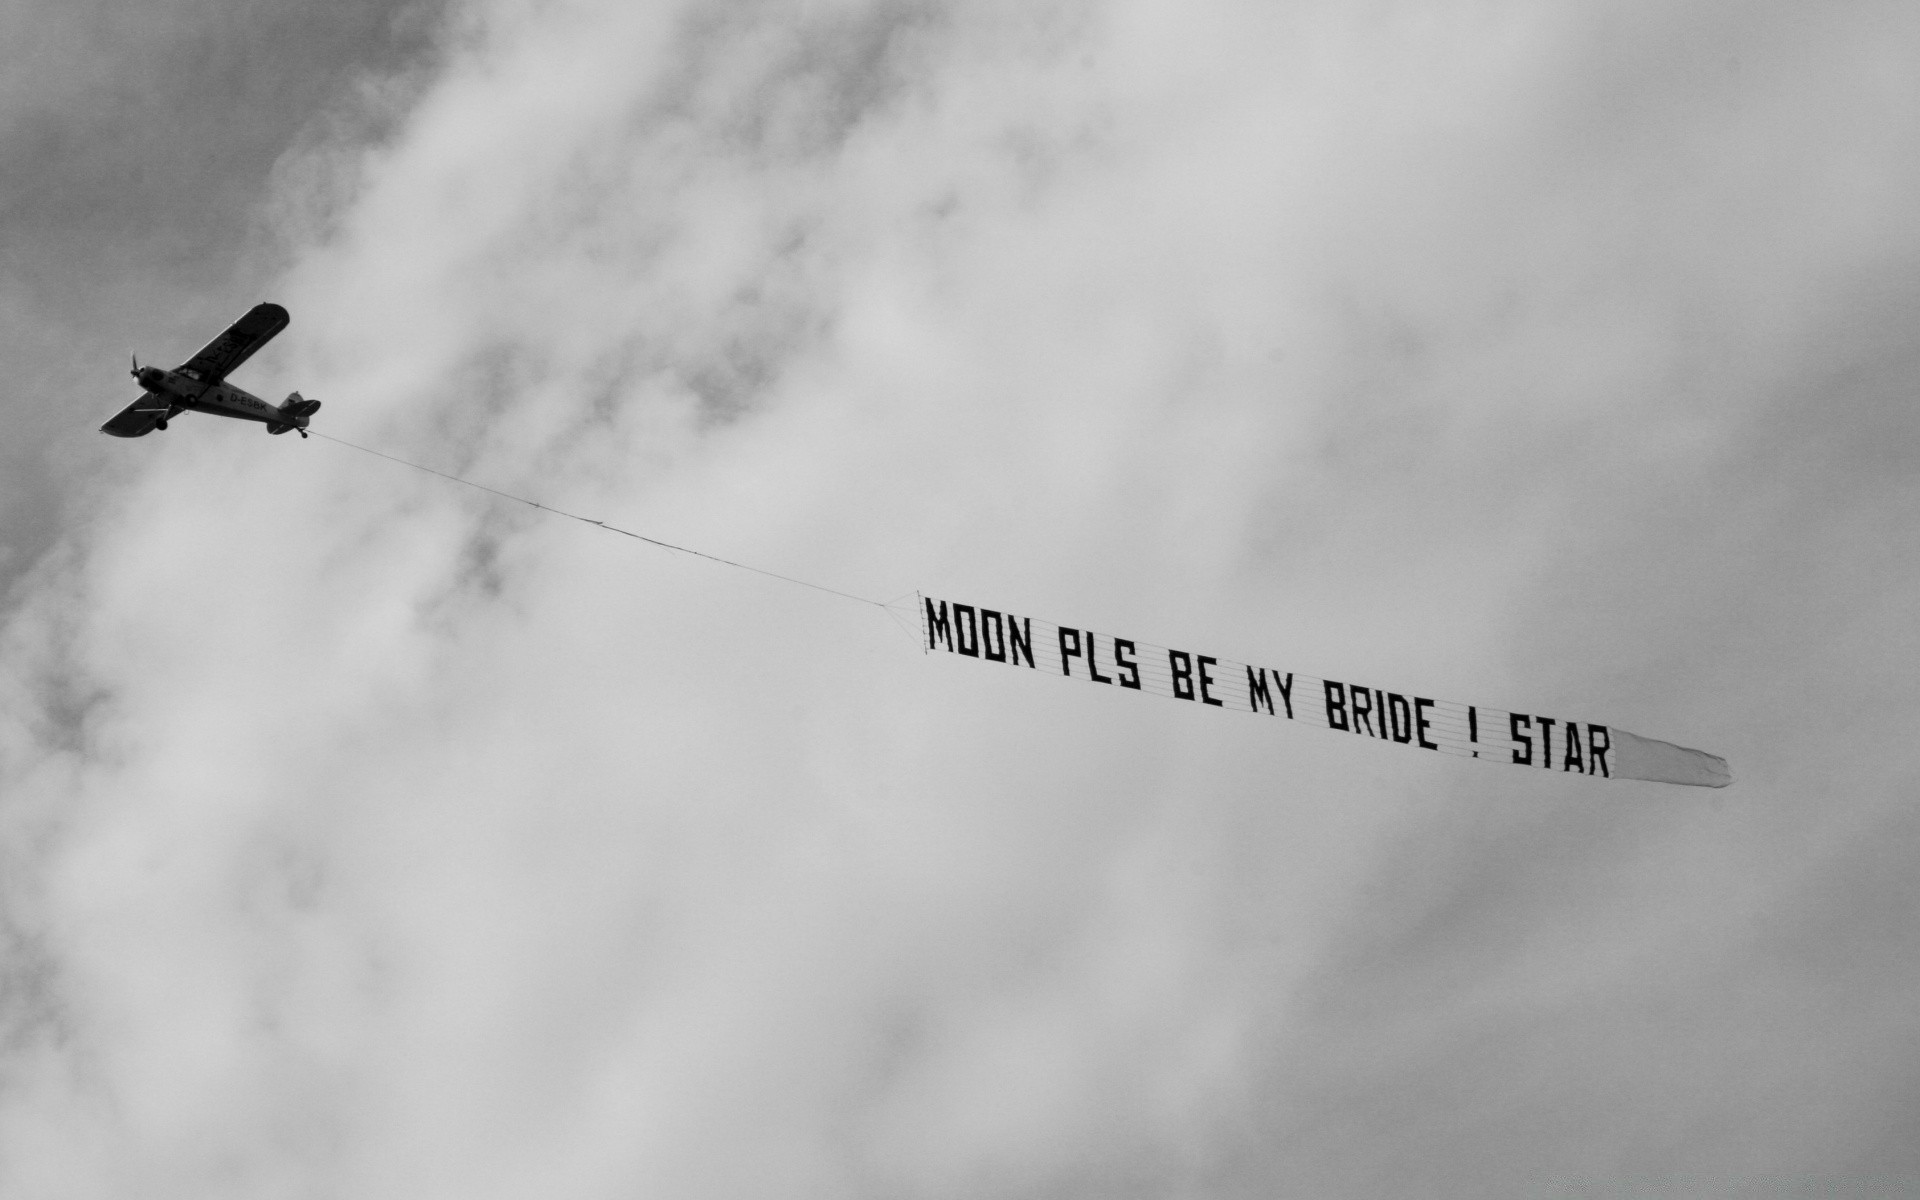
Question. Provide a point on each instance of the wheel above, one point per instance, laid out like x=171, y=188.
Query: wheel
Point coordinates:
x=161, y=424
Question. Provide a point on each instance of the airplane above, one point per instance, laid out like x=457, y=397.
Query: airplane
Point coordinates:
x=200, y=384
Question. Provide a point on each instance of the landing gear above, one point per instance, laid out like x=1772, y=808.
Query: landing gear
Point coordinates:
x=303, y=434
x=161, y=424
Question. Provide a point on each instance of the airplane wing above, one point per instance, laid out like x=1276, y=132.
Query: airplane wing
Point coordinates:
x=236, y=345
x=139, y=417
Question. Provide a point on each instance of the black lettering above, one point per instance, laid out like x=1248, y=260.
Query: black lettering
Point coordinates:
x=1206, y=681
x=1065, y=633
x=1400, y=717
x=937, y=627
x=966, y=634
x=1546, y=741
x=990, y=620
x=1257, y=690
x=1336, y=694
x=1598, y=743
x=1181, y=664
x=1363, y=711
x=1129, y=670
x=1020, y=639
x=1571, y=760
x=1380, y=709
x=1093, y=658
x=1473, y=724
x=1286, y=691
x=1514, y=722
x=1420, y=706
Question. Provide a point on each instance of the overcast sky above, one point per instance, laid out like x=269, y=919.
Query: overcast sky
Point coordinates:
x=365, y=835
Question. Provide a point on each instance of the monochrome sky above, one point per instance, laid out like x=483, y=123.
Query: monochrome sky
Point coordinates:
x=362, y=834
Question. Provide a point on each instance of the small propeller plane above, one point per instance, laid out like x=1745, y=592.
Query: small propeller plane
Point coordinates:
x=200, y=384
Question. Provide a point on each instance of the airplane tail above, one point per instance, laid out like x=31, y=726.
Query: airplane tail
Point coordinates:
x=294, y=414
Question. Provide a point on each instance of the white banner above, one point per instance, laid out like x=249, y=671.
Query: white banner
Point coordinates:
x=1343, y=706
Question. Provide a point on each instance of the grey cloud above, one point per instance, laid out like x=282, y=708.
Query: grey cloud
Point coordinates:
x=798, y=89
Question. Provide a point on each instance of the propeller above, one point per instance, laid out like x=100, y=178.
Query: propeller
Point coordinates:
x=136, y=366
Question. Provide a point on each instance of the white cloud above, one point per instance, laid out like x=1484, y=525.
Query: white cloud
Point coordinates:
x=413, y=843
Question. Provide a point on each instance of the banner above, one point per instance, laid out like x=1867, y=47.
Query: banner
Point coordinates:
x=1535, y=740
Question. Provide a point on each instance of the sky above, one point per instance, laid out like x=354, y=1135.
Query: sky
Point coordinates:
x=137, y=145
x=363, y=834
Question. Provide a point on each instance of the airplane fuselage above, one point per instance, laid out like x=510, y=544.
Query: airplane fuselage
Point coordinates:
x=181, y=388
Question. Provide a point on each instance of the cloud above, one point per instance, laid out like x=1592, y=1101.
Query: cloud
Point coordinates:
x=369, y=835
